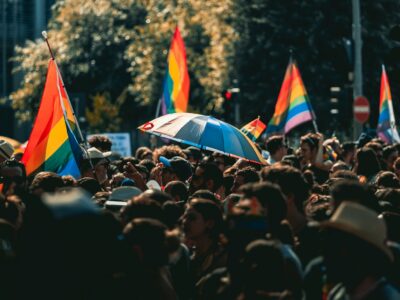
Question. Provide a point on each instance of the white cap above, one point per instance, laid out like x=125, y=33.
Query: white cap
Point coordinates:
x=94, y=153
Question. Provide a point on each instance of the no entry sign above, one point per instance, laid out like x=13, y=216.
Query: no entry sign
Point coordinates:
x=361, y=109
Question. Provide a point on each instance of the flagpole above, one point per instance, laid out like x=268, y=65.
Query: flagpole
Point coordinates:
x=44, y=34
x=158, y=107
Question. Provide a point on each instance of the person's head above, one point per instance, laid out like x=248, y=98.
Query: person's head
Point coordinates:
x=101, y=142
x=193, y=154
x=377, y=147
x=396, y=167
x=205, y=194
x=348, y=152
x=13, y=177
x=89, y=184
x=6, y=150
x=355, y=244
x=168, y=151
x=176, y=168
x=264, y=269
x=202, y=219
x=389, y=156
x=141, y=207
x=147, y=238
x=46, y=182
x=69, y=181
x=367, y=163
x=243, y=176
x=309, y=146
x=387, y=179
x=157, y=195
x=143, y=153
x=207, y=176
x=292, y=183
x=338, y=166
x=95, y=164
x=352, y=191
x=344, y=174
x=148, y=163
x=276, y=147
x=264, y=198
x=178, y=191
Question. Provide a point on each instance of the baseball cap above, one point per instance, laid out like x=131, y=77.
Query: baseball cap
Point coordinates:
x=180, y=166
x=6, y=149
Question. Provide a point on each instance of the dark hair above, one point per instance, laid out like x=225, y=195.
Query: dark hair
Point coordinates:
x=270, y=197
x=141, y=151
x=157, y=195
x=345, y=174
x=387, y=151
x=141, y=207
x=172, y=212
x=204, y=194
x=89, y=184
x=47, y=181
x=367, y=162
x=387, y=179
x=149, y=164
x=177, y=188
x=212, y=172
x=209, y=211
x=101, y=142
x=350, y=190
x=290, y=180
x=274, y=143
x=311, y=139
x=150, y=236
x=249, y=174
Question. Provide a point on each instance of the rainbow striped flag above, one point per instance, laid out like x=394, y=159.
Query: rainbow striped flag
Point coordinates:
x=253, y=129
x=387, y=130
x=175, y=95
x=293, y=106
x=52, y=145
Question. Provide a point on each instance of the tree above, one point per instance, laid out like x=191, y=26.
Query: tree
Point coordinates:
x=119, y=48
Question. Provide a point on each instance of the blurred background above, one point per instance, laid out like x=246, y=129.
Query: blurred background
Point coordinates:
x=113, y=57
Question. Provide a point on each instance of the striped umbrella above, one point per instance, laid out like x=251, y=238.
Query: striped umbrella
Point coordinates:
x=204, y=132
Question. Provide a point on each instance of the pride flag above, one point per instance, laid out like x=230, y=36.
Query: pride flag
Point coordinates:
x=293, y=106
x=175, y=95
x=52, y=145
x=253, y=129
x=387, y=130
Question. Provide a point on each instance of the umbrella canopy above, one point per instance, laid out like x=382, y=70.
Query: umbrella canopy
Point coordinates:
x=204, y=132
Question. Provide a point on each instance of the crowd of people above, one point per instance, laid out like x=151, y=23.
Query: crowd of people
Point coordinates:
x=321, y=221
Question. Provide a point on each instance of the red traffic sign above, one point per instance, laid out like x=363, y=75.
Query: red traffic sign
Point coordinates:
x=361, y=109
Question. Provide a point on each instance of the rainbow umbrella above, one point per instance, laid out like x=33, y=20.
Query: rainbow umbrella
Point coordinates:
x=204, y=132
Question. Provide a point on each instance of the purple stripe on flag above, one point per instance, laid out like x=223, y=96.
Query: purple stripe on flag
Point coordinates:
x=298, y=119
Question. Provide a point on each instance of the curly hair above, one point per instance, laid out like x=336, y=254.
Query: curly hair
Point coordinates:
x=168, y=151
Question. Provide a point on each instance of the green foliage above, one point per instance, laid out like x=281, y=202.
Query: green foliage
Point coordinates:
x=119, y=48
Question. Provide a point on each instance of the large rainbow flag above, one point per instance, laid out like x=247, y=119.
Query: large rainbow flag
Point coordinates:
x=253, y=129
x=293, y=106
x=175, y=95
x=52, y=145
x=386, y=130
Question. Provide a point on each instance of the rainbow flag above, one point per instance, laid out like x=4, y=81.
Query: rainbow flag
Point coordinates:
x=387, y=130
x=293, y=106
x=253, y=129
x=52, y=145
x=175, y=95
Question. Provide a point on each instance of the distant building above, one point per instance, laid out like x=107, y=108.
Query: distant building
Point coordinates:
x=20, y=20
